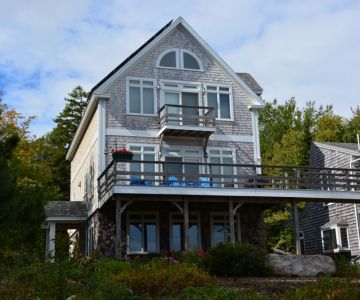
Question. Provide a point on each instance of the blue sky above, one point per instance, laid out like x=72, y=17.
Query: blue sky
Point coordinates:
x=306, y=49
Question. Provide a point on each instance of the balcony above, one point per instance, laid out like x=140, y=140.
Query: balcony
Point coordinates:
x=186, y=120
x=213, y=179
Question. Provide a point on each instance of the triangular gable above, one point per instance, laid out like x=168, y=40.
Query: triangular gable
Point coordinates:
x=155, y=40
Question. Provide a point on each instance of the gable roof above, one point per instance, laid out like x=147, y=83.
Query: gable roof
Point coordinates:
x=155, y=39
x=98, y=89
x=351, y=148
x=128, y=58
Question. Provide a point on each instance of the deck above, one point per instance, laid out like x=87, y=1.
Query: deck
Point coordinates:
x=211, y=180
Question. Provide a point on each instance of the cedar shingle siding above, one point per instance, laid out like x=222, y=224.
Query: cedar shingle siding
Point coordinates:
x=329, y=155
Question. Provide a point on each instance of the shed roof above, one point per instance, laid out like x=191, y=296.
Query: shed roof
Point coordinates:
x=251, y=83
x=66, y=210
x=353, y=147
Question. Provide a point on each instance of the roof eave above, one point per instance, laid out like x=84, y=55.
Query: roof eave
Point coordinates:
x=89, y=112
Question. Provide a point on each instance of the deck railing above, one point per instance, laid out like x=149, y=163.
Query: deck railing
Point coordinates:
x=225, y=176
x=186, y=115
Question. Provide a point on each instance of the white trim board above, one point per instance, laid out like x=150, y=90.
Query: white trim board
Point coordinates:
x=334, y=196
x=154, y=134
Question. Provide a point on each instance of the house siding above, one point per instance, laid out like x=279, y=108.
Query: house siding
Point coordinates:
x=318, y=214
x=116, y=116
x=87, y=152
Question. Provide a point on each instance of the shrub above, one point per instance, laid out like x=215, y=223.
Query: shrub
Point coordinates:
x=345, y=268
x=158, y=278
x=236, y=260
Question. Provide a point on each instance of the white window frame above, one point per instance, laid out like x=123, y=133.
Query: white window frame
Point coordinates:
x=179, y=56
x=182, y=51
x=156, y=151
x=142, y=213
x=218, y=92
x=181, y=151
x=179, y=89
x=90, y=240
x=339, y=246
x=226, y=216
x=221, y=149
x=177, y=60
x=141, y=86
x=198, y=222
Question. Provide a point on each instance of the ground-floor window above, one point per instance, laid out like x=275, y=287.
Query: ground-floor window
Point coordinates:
x=220, y=228
x=335, y=238
x=90, y=240
x=142, y=232
x=177, y=232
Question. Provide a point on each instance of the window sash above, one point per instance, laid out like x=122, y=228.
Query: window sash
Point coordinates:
x=141, y=96
x=220, y=98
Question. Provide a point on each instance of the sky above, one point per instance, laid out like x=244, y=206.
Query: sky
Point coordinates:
x=309, y=50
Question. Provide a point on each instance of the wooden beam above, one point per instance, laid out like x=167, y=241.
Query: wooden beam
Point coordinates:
x=296, y=226
x=231, y=221
x=186, y=225
x=118, y=229
x=51, y=241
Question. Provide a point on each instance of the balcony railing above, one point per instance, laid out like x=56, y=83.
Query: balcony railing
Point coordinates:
x=225, y=176
x=186, y=115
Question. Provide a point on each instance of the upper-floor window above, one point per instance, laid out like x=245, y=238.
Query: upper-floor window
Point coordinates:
x=219, y=97
x=179, y=59
x=140, y=95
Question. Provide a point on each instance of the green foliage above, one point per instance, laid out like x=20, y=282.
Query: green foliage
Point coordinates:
x=236, y=260
x=345, y=268
x=59, y=139
x=92, y=279
x=209, y=293
x=159, y=278
x=326, y=288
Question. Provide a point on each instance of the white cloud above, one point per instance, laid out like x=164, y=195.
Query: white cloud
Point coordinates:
x=306, y=49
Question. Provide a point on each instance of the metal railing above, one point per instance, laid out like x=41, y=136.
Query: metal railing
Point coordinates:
x=186, y=115
x=228, y=176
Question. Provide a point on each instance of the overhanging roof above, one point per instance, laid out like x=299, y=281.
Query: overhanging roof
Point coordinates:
x=65, y=211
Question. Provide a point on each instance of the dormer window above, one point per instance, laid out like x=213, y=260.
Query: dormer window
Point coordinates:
x=179, y=59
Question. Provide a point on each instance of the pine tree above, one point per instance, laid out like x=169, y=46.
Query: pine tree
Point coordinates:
x=59, y=139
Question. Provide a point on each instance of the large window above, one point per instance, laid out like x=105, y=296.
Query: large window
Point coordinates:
x=177, y=232
x=220, y=228
x=142, y=232
x=184, y=98
x=179, y=59
x=335, y=238
x=141, y=96
x=219, y=97
x=144, y=153
x=222, y=156
x=89, y=181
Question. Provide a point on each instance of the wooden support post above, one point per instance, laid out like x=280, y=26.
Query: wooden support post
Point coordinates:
x=118, y=230
x=296, y=227
x=186, y=225
x=51, y=241
x=231, y=221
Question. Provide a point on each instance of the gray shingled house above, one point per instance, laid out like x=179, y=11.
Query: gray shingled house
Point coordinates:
x=332, y=227
x=194, y=178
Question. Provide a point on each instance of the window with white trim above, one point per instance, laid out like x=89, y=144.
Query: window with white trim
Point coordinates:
x=140, y=96
x=144, y=153
x=220, y=98
x=335, y=238
x=142, y=232
x=220, y=228
x=89, y=181
x=222, y=156
x=179, y=59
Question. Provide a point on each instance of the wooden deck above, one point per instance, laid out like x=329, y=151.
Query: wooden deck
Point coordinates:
x=229, y=180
